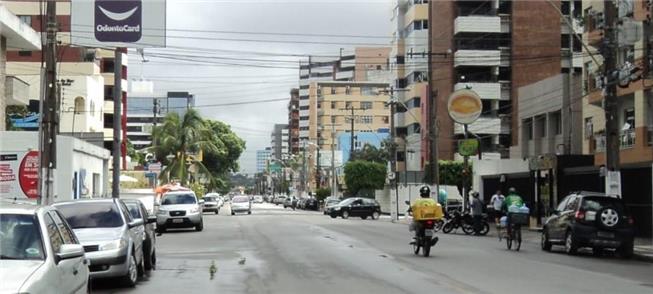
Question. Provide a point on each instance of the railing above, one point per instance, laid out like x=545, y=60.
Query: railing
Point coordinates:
x=626, y=140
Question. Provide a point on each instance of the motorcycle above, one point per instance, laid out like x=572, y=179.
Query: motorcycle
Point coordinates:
x=465, y=221
x=424, y=237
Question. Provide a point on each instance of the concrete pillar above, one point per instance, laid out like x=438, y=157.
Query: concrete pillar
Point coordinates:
x=3, y=98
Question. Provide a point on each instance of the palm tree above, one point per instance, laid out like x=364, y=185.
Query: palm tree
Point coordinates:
x=181, y=137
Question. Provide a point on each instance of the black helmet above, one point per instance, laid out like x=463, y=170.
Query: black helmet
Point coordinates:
x=425, y=191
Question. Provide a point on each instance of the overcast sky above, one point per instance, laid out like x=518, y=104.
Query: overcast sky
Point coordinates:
x=201, y=60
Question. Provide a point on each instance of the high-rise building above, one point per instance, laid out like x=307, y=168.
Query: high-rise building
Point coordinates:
x=494, y=48
x=359, y=65
x=262, y=158
x=409, y=67
x=293, y=122
x=279, y=141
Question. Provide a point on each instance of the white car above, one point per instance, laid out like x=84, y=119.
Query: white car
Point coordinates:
x=39, y=253
x=241, y=204
x=179, y=209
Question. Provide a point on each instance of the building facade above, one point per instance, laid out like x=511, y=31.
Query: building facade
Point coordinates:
x=293, y=122
x=279, y=141
x=262, y=158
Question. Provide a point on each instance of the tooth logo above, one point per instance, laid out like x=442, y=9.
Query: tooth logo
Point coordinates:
x=118, y=20
x=118, y=16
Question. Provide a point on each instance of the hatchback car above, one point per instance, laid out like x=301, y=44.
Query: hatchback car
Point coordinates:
x=211, y=204
x=360, y=207
x=139, y=212
x=241, y=204
x=588, y=219
x=39, y=253
x=329, y=203
x=112, y=239
x=179, y=210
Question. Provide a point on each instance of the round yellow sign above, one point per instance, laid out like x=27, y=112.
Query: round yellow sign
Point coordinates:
x=464, y=106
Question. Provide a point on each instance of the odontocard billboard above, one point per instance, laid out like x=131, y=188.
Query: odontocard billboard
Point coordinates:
x=118, y=23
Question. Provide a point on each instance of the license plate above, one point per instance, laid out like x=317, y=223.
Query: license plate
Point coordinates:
x=178, y=220
x=605, y=234
x=428, y=233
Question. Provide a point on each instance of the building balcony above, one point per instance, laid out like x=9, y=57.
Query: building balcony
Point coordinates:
x=341, y=75
x=487, y=90
x=626, y=141
x=16, y=91
x=486, y=125
x=498, y=57
x=303, y=92
x=477, y=24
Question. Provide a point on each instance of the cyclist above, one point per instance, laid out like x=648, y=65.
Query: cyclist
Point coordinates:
x=511, y=199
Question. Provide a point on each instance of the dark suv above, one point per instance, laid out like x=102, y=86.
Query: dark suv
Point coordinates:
x=589, y=219
x=361, y=207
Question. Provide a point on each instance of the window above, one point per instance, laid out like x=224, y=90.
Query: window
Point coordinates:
x=556, y=123
x=366, y=105
x=25, y=53
x=319, y=91
x=366, y=119
x=333, y=90
x=589, y=127
x=91, y=215
x=26, y=19
x=629, y=118
x=66, y=233
x=125, y=212
x=400, y=59
x=135, y=211
x=348, y=104
x=385, y=119
x=572, y=205
x=528, y=128
x=319, y=105
x=348, y=90
x=333, y=119
x=563, y=204
x=333, y=105
x=53, y=233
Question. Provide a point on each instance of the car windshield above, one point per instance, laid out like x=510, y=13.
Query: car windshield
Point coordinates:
x=598, y=203
x=91, y=214
x=134, y=209
x=171, y=199
x=240, y=199
x=209, y=199
x=20, y=237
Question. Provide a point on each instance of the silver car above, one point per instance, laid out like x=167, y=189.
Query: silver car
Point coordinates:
x=112, y=239
x=241, y=204
x=179, y=209
x=39, y=253
x=211, y=203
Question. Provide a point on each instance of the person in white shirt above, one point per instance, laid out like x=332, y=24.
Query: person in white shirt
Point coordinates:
x=497, y=201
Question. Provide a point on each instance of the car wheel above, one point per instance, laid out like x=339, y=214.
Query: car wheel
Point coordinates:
x=141, y=267
x=153, y=259
x=333, y=216
x=364, y=216
x=147, y=256
x=161, y=229
x=200, y=227
x=233, y=213
x=571, y=246
x=345, y=214
x=131, y=278
x=375, y=215
x=545, y=243
x=249, y=212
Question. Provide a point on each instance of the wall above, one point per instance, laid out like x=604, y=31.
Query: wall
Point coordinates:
x=485, y=168
x=3, y=76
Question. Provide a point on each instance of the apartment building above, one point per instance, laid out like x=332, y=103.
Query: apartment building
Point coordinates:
x=279, y=141
x=409, y=67
x=356, y=65
x=85, y=75
x=635, y=104
x=262, y=158
x=293, y=122
x=15, y=35
x=494, y=48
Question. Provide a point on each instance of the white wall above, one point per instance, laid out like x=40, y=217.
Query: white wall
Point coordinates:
x=495, y=167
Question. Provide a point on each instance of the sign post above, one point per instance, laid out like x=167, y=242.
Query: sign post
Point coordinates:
x=465, y=107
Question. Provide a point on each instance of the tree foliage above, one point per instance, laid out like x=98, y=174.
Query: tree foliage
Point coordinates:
x=364, y=175
x=372, y=153
x=451, y=172
x=178, y=138
x=322, y=193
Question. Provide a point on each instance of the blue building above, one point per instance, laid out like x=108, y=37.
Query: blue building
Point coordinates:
x=262, y=157
x=362, y=139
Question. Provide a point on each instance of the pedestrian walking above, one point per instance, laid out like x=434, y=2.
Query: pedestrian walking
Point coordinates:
x=477, y=212
x=497, y=201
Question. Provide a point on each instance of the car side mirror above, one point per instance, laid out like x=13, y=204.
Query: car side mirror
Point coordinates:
x=135, y=223
x=151, y=219
x=68, y=251
x=407, y=202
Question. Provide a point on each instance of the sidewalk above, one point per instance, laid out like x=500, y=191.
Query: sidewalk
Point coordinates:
x=643, y=250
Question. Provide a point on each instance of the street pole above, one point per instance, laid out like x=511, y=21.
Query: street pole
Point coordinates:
x=49, y=116
x=432, y=113
x=155, y=109
x=611, y=101
x=352, y=139
x=393, y=151
x=303, y=176
x=466, y=175
x=317, y=170
x=117, y=122
x=333, y=161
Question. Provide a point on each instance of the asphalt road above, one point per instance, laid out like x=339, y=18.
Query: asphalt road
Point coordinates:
x=283, y=251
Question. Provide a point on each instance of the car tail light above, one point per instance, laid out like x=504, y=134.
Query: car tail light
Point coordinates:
x=580, y=215
x=631, y=221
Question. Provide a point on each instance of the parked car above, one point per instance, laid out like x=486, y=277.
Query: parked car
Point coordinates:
x=258, y=199
x=39, y=252
x=361, y=207
x=112, y=239
x=329, y=203
x=179, y=209
x=138, y=211
x=589, y=219
x=279, y=199
x=211, y=204
x=311, y=204
x=290, y=202
x=241, y=204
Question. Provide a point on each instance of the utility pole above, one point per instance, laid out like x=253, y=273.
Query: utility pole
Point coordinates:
x=333, y=161
x=393, y=151
x=117, y=122
x=317, y=170
x=352, y=141
x=611, y=102
x=432, y=113
x=155, y=110
x=303, y=175
x=49, y=115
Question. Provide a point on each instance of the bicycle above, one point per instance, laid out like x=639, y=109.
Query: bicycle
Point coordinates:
x=513, y=227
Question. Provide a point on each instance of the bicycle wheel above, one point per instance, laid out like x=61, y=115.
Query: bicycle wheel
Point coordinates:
x=518, y=238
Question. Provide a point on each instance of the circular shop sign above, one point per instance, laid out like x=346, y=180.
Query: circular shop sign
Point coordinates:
x=464, y=106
